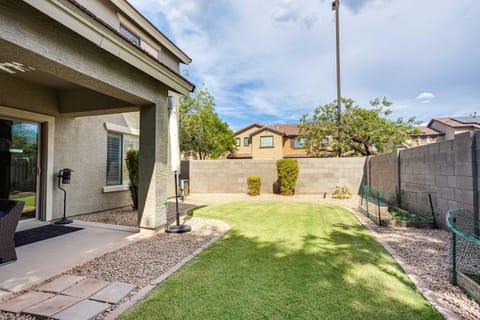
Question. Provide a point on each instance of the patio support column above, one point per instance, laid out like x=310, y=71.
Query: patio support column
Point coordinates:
x=153, y=165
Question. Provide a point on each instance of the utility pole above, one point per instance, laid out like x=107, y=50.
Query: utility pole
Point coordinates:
x=336, y=8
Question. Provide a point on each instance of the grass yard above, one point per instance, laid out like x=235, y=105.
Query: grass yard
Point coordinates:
x=28, y=199
x=287, y=261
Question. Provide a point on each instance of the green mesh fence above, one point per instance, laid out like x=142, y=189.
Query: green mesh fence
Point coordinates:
x=465, y=244
x=380, y=205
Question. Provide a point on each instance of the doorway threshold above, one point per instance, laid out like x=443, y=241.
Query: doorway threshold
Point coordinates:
x=30, y=224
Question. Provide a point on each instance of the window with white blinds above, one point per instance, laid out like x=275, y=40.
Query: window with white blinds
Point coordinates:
x=114, y=159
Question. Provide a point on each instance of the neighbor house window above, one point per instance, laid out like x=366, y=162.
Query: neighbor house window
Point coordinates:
x=117, y=147
x=130, y=35
x=237, y=142
x=266, y=142
x=246, y=141
x=298, y=143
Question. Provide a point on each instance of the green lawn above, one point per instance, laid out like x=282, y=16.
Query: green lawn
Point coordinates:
x=29, y=201
x=287, y=261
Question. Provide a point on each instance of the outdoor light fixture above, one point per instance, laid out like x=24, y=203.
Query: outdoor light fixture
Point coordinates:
x=64, y=177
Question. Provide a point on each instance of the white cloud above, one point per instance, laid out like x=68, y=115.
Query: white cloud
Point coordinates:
x=425, y=97
x=268, y=58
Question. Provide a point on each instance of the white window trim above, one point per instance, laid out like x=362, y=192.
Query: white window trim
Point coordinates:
x=121, y=187
x=121, y=129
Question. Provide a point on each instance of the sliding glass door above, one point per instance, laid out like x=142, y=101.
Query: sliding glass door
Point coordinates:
x=19, y=156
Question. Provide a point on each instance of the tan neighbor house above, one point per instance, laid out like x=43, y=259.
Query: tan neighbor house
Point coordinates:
x=80, y=82
x=441, y=129
x=257, y=141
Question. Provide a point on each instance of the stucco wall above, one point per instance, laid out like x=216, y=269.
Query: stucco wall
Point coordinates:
x=81, y=144
x=317, y=175
x=288, y=147
x=267, y=153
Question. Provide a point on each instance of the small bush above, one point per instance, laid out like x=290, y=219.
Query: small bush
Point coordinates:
x=132, y=166
x=254, y=183
x=341, y=193
x=287, y=174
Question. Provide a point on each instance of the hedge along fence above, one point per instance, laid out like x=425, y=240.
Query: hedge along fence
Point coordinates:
x=254, y=184
x=287, y=173
x=132, y=166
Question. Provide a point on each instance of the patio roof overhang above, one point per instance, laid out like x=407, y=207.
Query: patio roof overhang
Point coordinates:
x=55, y=59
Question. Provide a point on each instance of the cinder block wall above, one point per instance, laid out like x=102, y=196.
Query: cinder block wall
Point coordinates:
x=317, y=175
x=382, y=174
x=444, y=169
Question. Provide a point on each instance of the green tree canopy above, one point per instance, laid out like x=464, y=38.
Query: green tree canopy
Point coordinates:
x=202, y=133
x=361, y=131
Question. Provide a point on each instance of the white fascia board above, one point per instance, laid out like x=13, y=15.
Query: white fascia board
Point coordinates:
x=78, y=21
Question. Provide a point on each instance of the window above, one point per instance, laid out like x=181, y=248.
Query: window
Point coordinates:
x=246, y=141
x=114, y=159
x=298, y=143
x=266, y=142
x=130, y=35
x=117, y=147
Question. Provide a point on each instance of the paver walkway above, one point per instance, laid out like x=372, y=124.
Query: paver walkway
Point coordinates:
x=69, y=298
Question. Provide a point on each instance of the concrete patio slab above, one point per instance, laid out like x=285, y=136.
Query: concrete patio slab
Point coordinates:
x=61, y=284
x=85, y=310
x=52, y=306
x=114, y=292
x=85, y=288
x=42, y=260
x=24, y=301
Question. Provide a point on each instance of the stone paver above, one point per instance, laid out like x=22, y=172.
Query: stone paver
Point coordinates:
x=85, y=310
x=114, y=292
x=24, y=301
x=52, y=306
x=85, y=288
x=61, y=284
x=4, y=294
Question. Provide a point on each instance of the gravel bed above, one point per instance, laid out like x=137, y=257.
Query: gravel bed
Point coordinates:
x=143, y=261
x=426, y=252
x=127, y=216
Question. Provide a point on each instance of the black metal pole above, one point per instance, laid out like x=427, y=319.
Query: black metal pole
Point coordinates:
x=432, y=210
x=177, y=213
x=64, y=220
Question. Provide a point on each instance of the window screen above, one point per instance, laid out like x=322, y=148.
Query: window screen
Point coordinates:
x=114, y=159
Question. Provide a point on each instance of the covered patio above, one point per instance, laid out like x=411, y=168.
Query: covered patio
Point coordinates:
x=59, y=62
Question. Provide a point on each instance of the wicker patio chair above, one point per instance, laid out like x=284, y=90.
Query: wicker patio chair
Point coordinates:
x=8, y=224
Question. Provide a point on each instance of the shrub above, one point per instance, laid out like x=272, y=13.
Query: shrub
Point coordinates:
x=287, y=174
x=132, y=166
x=341, y=193
x=254, y=183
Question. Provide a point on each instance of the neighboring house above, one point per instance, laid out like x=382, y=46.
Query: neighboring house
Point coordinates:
x=440, y=129
x=257, y=141
x=80, y=80
x=426, y=136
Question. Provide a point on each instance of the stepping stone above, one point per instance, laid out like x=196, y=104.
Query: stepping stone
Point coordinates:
x=60, y=284
x=114, y=292
x=85, y=288
x=85, y=310
x=4, y=294
x=52, y=306
x=24, y=301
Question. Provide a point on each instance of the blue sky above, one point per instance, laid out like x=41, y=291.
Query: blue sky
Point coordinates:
x=271, y=61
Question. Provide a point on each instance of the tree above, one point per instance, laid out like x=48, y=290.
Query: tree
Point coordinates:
x=202, y=132
x=361, y=131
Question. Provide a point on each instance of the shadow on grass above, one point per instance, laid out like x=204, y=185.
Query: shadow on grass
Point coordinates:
x=342, y=275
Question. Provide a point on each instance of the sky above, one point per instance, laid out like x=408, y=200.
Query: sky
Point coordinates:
x=272, y=61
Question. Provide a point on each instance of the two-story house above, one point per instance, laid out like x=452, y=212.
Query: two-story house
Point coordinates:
x=257, y=141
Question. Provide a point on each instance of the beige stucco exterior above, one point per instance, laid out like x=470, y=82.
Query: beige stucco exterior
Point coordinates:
x=70, y=70
x=288, y=149
x=275, y=152
x=242, y=148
